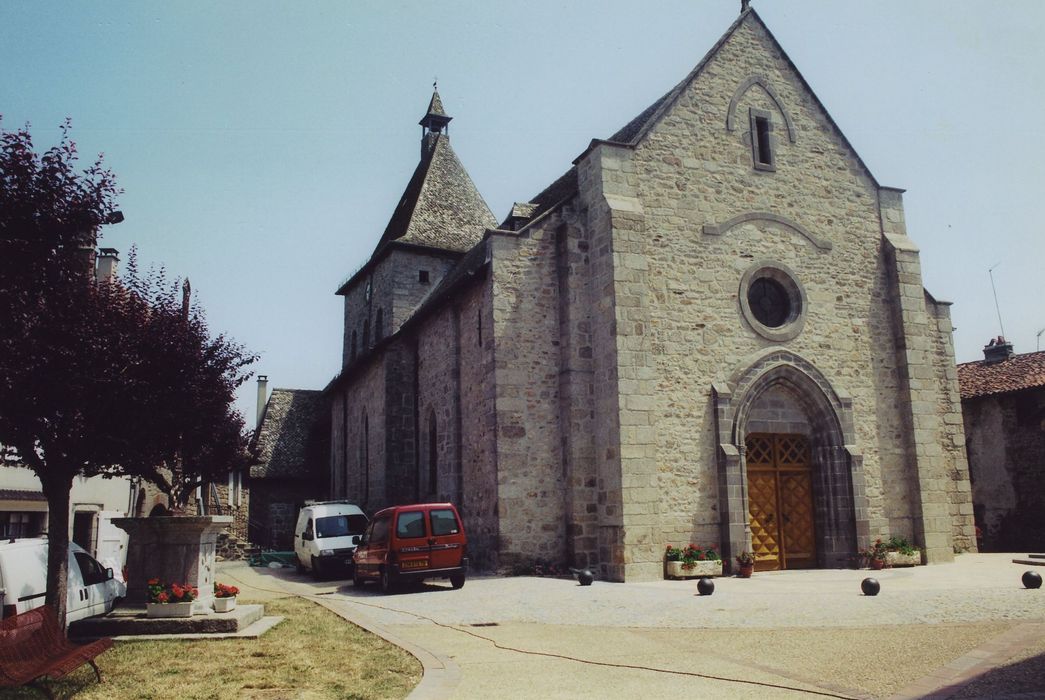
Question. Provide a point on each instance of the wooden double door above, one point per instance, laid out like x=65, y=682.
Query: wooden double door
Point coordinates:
x=780, y=501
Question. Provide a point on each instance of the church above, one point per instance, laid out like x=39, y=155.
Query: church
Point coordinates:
x=710, y=329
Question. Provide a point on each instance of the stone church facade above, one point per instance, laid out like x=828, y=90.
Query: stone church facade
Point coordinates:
x=711, y=329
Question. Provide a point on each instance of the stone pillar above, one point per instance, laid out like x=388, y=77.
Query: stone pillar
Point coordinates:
x=175, y=550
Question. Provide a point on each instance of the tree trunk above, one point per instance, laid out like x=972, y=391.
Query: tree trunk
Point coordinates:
x=57, y=492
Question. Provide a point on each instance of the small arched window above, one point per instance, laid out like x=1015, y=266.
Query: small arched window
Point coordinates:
x=379, y=326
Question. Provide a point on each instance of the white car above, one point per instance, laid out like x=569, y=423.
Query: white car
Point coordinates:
x=92, y=589
x=326, y=536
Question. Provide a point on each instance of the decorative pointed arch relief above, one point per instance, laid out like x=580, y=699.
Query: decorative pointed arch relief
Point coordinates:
x=762, y=82
x=725, y=226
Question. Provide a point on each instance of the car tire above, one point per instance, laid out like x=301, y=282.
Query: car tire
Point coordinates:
x=298, y=566
x=316, y=573
x=457, y=580
x=386, y=580
x=357, y=580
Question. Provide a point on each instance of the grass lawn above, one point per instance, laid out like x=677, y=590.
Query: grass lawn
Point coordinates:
x=313, y=653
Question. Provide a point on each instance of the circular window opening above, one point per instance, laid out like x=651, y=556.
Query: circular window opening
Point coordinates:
x=769, y=302
x=772, y=301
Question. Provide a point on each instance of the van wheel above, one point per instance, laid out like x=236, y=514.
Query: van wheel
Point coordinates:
x=457, y=580
x=298, y=566
x=357, y=580
x=316, y=573
x=386, y=580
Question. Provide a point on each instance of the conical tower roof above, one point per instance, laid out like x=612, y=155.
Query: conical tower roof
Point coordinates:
x=441, y=207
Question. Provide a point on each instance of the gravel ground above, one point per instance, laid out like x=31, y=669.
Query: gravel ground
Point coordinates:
x=796, y=631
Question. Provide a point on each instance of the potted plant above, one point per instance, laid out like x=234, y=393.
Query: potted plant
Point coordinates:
x=745, y=564
x=170, y=600
x=900, y=552
x=691, y=561
x=224, y=597
x=874, y=556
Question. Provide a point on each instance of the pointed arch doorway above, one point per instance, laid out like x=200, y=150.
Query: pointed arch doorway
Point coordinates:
x=780, y=501
x=791, y=482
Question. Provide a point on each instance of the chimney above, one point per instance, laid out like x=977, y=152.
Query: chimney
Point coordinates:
x=263, y=383
x=105, y=265
x=998, y=350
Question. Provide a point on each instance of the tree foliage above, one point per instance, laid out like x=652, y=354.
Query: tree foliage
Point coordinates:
x=118, y=378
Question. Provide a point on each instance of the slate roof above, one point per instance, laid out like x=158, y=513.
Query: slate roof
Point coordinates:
x=1026, y=371
x=19, y=495
x=440, y=208
x=291, y=438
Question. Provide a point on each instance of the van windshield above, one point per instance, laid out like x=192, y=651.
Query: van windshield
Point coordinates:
x=340, y=525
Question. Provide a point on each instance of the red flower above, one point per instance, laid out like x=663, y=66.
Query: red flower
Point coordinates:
x=154, y=582
x=162, y=597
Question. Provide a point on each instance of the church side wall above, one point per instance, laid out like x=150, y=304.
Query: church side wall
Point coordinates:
x=439, y=390
x=364, y=478
x=479, y=493
x=529, y=448
x=692, y=172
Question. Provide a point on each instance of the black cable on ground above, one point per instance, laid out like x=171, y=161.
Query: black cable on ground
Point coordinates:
x=498, y=645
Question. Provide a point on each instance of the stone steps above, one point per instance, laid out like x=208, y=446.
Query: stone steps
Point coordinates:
x=133, y=621
x=1031, y=560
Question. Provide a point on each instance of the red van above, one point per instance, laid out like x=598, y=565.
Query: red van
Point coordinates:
x=411, y=543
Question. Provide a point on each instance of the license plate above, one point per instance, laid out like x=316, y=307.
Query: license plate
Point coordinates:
x=414, y=564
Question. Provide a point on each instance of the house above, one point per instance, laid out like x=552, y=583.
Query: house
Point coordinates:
x=711, y=328
x=1003, y=405
x=292, y=444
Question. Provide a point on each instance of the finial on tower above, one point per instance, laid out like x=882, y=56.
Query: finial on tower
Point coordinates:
x=745, y=5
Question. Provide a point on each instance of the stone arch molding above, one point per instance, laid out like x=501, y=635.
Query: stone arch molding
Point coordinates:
x=842, y=504
x=762, y=82
x=794, y=226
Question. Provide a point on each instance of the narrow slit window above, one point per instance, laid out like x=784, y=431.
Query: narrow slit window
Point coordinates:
x=422, y=276
x=762, y=140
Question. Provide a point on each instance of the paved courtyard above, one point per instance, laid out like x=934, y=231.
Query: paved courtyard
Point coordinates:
x=967, y=629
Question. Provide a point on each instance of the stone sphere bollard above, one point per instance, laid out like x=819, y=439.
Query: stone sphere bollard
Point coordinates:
x=870, y=586
x=585, y=577
x=1032, y=579
x=705, y=586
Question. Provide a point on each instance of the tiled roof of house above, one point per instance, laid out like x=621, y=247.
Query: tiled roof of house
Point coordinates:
x=1016, y=373
x=291, y=438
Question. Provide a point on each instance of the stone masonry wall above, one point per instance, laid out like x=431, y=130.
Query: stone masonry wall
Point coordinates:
x=691, y=172
x=439, y=405
x=525, y=333
x=478, y=504
x=365, y=396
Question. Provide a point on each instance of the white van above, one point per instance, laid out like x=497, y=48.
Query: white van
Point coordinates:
x=326, y=536
x=92, y=590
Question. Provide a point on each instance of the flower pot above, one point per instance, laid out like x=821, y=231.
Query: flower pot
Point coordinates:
x=169, y=610
x=878, y=564
x=222, y=605
x=745, y=570
x=700, y=569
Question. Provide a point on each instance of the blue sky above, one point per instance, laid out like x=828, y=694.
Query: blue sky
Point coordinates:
x=262, y=146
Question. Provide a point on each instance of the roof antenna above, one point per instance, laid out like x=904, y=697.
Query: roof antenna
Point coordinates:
x=1039, y=338
x=990, y=271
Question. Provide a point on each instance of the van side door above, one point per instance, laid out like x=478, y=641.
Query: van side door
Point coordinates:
x=97, y=591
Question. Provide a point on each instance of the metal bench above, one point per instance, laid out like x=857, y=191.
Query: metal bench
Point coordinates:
x=33, y=646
